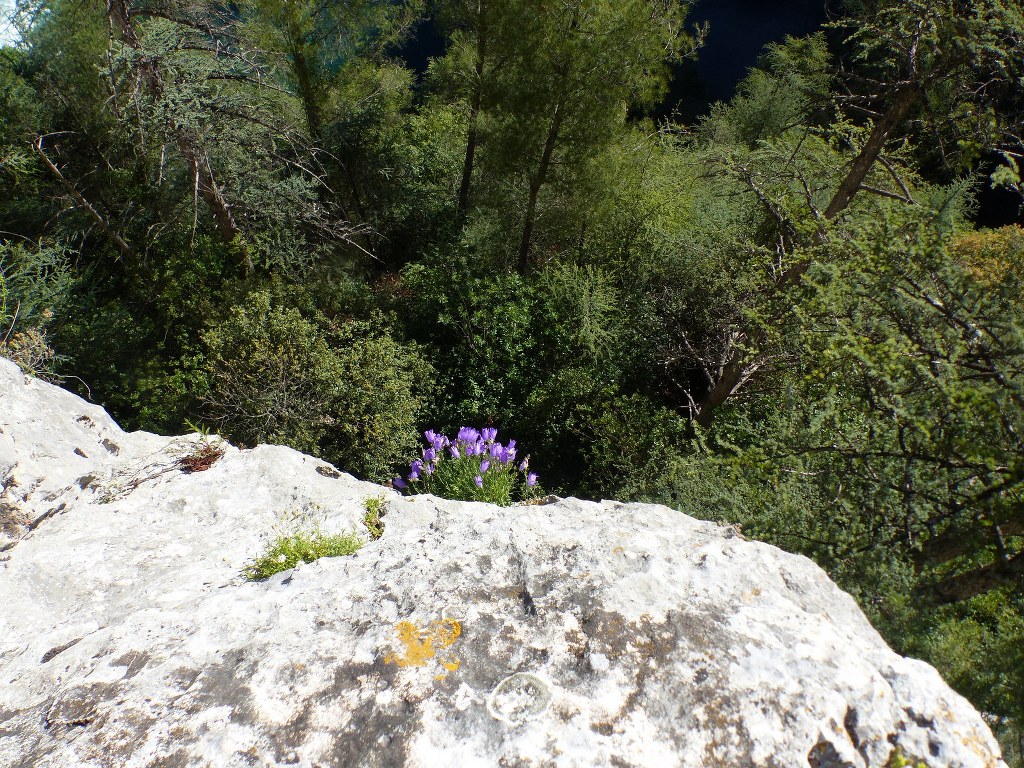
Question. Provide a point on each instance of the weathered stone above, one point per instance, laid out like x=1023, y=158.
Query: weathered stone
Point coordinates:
x=570, y=633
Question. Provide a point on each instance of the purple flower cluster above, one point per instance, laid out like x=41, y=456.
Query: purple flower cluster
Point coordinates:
x=469, y=443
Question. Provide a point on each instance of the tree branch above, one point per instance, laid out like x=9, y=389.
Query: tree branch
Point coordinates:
x=118, y=241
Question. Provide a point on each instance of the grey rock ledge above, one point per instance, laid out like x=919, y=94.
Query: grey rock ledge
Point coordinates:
x=567, y=634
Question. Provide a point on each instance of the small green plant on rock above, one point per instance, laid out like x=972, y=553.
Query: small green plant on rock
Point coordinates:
x=376, y=507
x=899, y=760
x=204, y=453
x=301, y=546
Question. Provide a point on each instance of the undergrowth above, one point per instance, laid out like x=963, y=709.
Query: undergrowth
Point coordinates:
x=302, y=546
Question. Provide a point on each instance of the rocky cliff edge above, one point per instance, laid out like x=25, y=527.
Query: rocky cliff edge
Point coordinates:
x=571, y=633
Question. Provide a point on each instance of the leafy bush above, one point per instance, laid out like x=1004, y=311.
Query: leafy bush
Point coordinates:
x=479, y=328
x=302, y=546
x=476, y=467
x=34, y=284
x=348, y=393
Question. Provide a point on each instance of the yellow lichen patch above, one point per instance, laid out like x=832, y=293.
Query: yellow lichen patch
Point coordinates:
x=420, y=645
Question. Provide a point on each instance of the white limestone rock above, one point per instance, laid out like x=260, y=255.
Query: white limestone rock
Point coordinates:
x=566, y=634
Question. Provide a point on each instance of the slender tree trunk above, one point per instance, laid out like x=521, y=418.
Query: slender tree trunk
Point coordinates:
x=210, y=192
x=307, y=91
x=306, y=80
x=953, y=544
x=903, y=100
x=473, y=136
x=118, y=241
x=731, y=378
x=964, y=586
x=536, y=182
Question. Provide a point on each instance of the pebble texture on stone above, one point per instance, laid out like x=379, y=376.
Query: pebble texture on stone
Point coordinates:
x=570, y=633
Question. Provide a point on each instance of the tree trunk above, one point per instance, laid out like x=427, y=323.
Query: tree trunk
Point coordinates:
x=953, y=544
x=474, y=111
x=536, y=182
x=964, y=586
x=732, y=376
x=118, y=241
x=307, y=91
x=737, y=370
x=210, y=192
x=903, y=100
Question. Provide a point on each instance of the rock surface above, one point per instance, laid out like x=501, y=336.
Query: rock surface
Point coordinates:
x=568, y=634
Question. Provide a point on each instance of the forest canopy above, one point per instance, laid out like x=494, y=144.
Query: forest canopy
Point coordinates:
x=783, y=314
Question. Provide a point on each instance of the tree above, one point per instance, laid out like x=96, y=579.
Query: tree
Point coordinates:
x=941, y=68
x=922, y=71
x=334, y=63
x=549, y=85
x=177, y=102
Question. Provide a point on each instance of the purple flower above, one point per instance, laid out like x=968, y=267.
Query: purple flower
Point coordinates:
x=511, y=445
x=437, y=442
x=496, y=450
x=429, y=455
x=398, y=482
x=414, y=476
x=509, y=454
x=468, y=435
x=479, y=481
x=489, y=434
x=484, y=465
x=428, y=470
x=416, y=466
x=454, y=451
x=531, y=479
x=524, y=464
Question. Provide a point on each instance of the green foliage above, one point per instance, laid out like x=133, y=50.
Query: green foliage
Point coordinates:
x=584, y=301
x=258, y=214
x=21, y=112
x=899, y=760
x=479, y=326
x=888, y=451
x=955, y=60
x=344, y=391
x=454, y=479
x=35, y=283
x=789, y=89
x=302, y=546
x=376, y=507
x=547, y=91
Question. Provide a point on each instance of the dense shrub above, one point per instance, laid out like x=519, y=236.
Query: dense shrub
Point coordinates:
x=347, y=392
x=34, y=284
